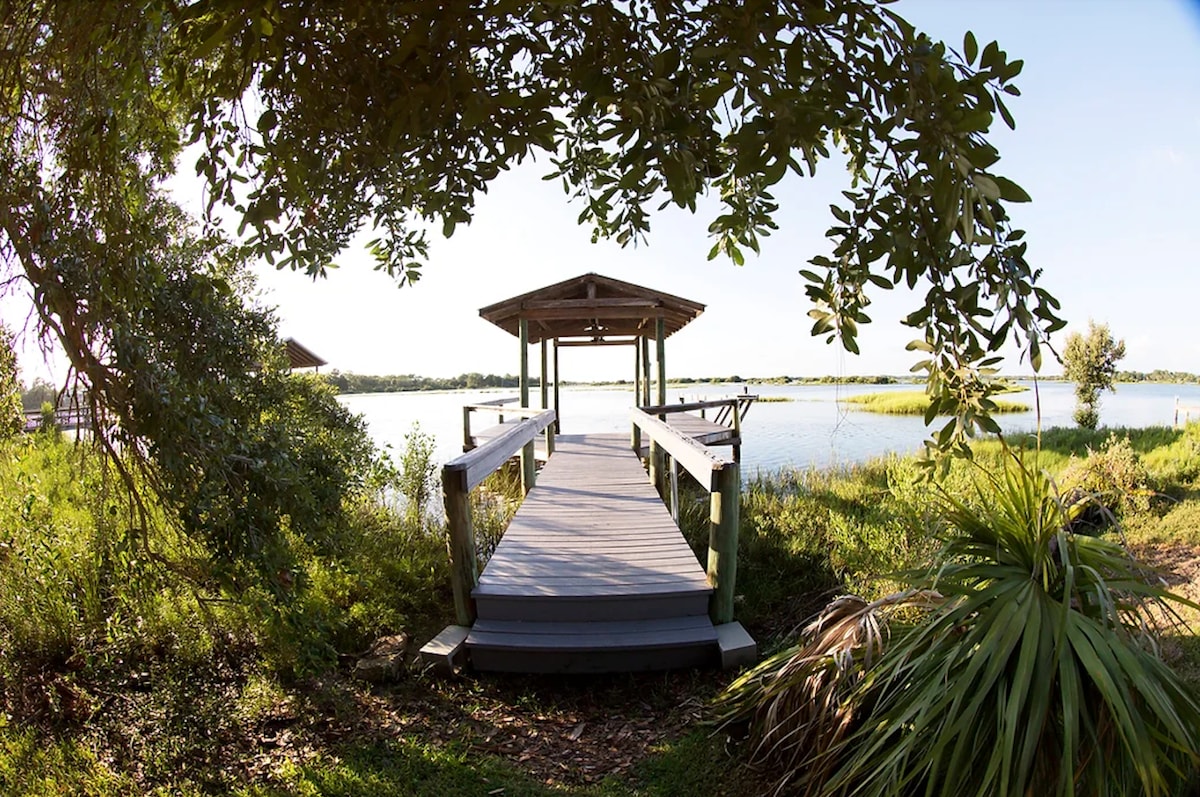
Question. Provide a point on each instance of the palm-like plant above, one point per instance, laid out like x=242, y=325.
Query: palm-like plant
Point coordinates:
x=1036, y=674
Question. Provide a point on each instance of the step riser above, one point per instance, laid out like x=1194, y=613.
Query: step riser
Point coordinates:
x=543, y=609
x=526, y=661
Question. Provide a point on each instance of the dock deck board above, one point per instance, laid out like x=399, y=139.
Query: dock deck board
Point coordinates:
x=592, y=525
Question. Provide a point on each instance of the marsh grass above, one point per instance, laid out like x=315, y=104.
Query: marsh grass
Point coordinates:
x=142, y=676
x=914, y=402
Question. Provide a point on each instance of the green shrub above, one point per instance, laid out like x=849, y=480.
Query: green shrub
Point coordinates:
x=1106, y=485
x=1030, y=667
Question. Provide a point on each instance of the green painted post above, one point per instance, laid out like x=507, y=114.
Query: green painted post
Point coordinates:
x=545, y=373
x=464, y=566
x=645, y=372
x=660, y=335
x=635, y=434
x=723, y=542
x=528, y=466
x=557, y=413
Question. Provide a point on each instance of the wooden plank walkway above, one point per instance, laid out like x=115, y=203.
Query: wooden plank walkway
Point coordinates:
x=592, y=573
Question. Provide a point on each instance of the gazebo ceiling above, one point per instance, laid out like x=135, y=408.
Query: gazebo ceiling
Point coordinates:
x=592, y=308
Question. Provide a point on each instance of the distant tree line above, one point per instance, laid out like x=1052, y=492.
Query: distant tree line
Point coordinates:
x=1159, y=375
x=396, y=383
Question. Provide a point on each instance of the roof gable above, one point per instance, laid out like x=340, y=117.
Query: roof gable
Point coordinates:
x=592, y=307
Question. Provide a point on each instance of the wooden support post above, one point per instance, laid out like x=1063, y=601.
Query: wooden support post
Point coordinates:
x=545, y=385
x=635, y=434
x=660, y=335
x=557, y=412
x=737, y=434
x=464, y=566
x=467, y=443
x=723, y=542
x=637, y=375
x=655, y=460
x=673, y=470
x=549, y=441
x=645, y=372
x=528, y=465
x=523, y=336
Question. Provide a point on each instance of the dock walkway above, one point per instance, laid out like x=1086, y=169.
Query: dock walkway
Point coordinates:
x=592, y=573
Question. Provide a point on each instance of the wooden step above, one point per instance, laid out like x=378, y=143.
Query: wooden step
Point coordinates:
x=590, y=647
x=618, y=605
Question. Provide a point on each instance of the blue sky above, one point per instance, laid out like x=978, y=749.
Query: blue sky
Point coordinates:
x=1107, y=143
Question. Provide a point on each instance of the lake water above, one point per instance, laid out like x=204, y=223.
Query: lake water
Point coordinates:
x=815, y=427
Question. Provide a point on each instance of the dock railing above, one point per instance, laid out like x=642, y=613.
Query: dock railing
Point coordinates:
x=720, y=476
x=462, y=474
x=495, y=405
x=1187, y=411
x=729, y=412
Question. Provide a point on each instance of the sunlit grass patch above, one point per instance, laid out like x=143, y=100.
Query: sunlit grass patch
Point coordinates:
x=914, y=402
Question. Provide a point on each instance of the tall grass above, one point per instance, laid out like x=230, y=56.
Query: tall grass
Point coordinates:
x=915, y=402
x=129, y=650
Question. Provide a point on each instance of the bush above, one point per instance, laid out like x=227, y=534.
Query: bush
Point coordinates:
x=1028, y=668
x=1105, y=485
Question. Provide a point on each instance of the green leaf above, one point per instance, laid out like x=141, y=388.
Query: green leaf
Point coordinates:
x=970, y=47
x=1010, y=191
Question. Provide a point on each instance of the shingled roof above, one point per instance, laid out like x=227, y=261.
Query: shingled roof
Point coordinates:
x=592, y=307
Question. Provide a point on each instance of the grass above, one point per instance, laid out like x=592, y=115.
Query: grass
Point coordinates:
x=139, y=677
x=914, y=402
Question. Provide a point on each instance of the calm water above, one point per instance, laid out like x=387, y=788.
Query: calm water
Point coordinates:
x=814, y=428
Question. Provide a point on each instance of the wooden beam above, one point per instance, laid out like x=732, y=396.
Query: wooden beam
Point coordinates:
x=545, y=385
x=645, y=371
x=630, y=342
x=572, y=314
x=661, y=355
x=523, y=336
x=550, y=304
x=528, y=463
x=557, y=417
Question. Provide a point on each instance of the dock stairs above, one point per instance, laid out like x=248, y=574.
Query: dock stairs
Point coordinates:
x=592, y=575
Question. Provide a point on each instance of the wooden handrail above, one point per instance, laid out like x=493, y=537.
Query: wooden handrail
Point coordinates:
x=480, y=462
x=692, y=406
x=721, y=478
x=462, y=474
x=698, y=460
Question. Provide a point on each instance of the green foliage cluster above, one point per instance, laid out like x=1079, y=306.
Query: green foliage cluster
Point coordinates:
x=87, y=611
x=637, y=107
x=1090, y=361
x=915, y=402
x=37, y=394
x=12, y=419
x=1026, y=650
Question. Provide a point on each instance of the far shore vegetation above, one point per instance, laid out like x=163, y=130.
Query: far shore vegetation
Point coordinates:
x=350, y=383
x=914, y=402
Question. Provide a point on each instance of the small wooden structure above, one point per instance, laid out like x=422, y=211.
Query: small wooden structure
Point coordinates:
x=300, y=356
x=593, y=573
x=593, y=310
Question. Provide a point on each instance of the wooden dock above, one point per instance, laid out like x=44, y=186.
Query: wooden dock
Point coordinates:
x=592, y=574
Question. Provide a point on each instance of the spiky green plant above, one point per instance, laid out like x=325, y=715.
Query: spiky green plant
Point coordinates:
x=1038, y=673
x=798, y=703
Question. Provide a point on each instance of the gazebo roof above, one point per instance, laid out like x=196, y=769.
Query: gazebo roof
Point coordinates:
x=300, y=356
x=594, y=308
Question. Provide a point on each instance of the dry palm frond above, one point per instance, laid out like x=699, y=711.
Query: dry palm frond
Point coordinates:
x=796, y=703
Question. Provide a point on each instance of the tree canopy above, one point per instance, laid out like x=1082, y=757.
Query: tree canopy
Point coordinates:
x=1090, y=361
x=315, y=119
